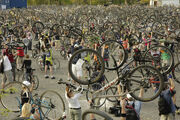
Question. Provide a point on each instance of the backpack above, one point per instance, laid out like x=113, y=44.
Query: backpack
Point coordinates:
x=163, y=106
x=131, y=113
x=2, y=66
x=137, y=54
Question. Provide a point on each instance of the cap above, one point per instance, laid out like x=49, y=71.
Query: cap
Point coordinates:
x=129, y=96
x=27, y=83
x=76, y=45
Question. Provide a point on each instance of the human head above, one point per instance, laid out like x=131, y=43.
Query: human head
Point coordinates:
x=27, y=56
x=26, y=83
x=69, y=91
x=129, y=97
x=26, y=110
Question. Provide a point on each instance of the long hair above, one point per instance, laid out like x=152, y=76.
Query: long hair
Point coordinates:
x=26, y=110
x=69, y=92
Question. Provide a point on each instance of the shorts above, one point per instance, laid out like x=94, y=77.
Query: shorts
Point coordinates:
x=48, y=63
x=77, y=71
x=7, y=76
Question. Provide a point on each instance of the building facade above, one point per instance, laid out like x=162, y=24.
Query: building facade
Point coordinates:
x=6, y=4
x=164, y=2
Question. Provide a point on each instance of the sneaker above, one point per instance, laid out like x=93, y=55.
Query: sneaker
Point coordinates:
x=177, y=112
x=52, y=77
x=46, y=76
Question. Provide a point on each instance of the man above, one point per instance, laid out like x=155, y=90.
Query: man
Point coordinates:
x=168, y=93
x=48, y=61
x=27, y=65
x=130, y=102
x=7, y=75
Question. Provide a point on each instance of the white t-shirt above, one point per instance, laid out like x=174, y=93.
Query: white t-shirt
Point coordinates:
x=7, y=64
x=73, y=101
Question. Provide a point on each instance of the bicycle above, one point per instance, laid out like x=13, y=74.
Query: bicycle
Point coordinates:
x=31, y=78
x=50, y=104
x=99, y=115
x=142, y=76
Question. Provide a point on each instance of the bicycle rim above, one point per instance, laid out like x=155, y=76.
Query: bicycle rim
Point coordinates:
x=52, y=105
x=11, y=98
x=145, y=77
x=99, y=115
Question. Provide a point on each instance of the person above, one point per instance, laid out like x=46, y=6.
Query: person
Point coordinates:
x=28, y=113
x=130, y=102
x=7, y=75
x=74, y=105
x=11, y=56
x=48, y=61
x=26, y=92
x=77, y=69
x=57, y=42
x=27, y=65
x=20, y=56
x=168, y=93
x=105, y=54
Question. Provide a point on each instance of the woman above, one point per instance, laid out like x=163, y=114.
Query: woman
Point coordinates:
x=25, y=92
x=27, y=65
x=74, y=105
x=27, y=114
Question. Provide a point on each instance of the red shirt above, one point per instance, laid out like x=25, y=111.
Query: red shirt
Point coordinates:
x=20, y=52
x=10, y=56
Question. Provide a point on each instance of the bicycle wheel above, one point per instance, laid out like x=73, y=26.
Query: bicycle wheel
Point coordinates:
x=98, y=115
x=18, y=31
x=162, y=56
x=175, y=72
x=112, y=51
x=84, y=64
x=56, y=64
x=38, y=27
x=148, y=78
x=35, y=79
x=90, y=96
x=11, y=97
x=52, y=105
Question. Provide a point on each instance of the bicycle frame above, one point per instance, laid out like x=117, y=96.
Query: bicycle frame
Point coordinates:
x=38, y=103
x=117, y=79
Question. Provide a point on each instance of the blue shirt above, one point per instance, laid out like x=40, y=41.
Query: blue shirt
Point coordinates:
x=167, y=94
x=137, y=106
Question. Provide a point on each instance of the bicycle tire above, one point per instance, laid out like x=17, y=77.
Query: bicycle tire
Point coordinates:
x=56, y=64
x=18, y=31
x=60, y=98
x=36, y=82
x=35, y=30
x=10, y=99
x=154, y=73
x=97, y=102
x=171, y=63
x=176, y=68
x=123, y=53
x=97, y=112
x=100, y=60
